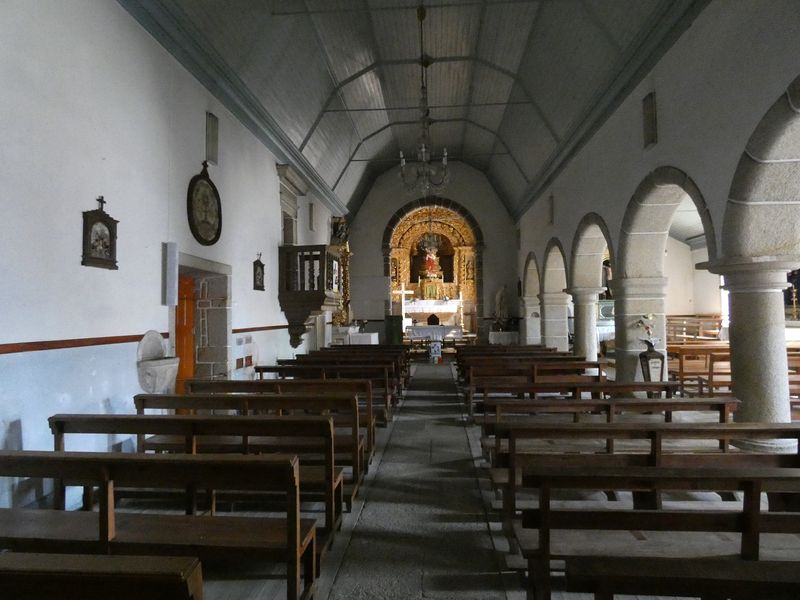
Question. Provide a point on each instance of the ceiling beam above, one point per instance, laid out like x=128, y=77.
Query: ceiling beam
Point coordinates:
x=434, y=122
x=441, y=59
x=428, y=6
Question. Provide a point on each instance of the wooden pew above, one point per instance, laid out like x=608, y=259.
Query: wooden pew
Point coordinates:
x=501, y=415
x=531, y=445
x=361, y=387
x=393, y=368
x=34, y=576
x=349, y=447
x=399, y=355
x=541, y=536
x=488, y=386
x=285, y=539
x=377, y=374
x=708, y=578
x=191, y=434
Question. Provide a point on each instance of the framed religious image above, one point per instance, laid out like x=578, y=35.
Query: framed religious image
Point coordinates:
x=258, y=274
x=204, y=208
x=99, y=238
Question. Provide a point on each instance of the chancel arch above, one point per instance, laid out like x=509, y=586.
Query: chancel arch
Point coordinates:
x=554, y=300
x=591, y=271
x=640, y=281
x=531, y=309
x=432, y=251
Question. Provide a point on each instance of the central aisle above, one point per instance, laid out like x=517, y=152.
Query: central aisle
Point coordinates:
x=422, y=532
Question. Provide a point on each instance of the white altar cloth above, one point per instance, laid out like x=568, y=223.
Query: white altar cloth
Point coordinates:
x=605, y=331
x=363, y=338
x=434, y=332
x=428, y=307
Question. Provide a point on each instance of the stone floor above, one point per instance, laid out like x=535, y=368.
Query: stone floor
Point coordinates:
x=423, y=531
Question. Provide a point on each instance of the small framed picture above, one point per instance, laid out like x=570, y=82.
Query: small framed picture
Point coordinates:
x=258, y=274
x=99, y=238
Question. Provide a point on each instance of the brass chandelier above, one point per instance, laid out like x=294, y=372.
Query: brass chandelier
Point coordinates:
x=424, y=176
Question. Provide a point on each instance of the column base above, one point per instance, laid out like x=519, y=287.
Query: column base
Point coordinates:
x=767, y=446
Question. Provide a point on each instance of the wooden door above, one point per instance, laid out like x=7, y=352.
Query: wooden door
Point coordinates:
x=184, y=331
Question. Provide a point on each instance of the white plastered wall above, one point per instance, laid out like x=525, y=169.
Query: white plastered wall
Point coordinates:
x=93, y=105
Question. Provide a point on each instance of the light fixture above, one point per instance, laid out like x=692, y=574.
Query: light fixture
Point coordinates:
x=423, y=176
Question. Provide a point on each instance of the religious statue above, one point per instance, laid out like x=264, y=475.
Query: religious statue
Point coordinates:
x=430, y=262
x=501, y=308
x=339, y=231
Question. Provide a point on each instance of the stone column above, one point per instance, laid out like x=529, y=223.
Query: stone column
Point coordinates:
x=758, y=341
x=585, y=341
x=531, y=321
x=633, y=298
x=555, y=331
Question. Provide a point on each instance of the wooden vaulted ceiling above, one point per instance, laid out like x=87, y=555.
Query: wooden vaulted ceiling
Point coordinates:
x=332, y=86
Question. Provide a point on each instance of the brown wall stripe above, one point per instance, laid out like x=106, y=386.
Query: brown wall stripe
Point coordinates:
x=17, y=347
x=264, y=328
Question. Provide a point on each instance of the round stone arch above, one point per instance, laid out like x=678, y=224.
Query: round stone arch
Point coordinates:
x=591, y=239
x=765, y=191
x=639, y=285
x=531, y=278
x=586, y=281
x=529, y=303
x=645, y=227
x=459, y=209
x=554, y=300
x=760, y=244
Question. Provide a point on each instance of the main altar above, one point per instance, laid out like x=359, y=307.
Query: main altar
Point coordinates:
x=432, y=266
x=430, y=302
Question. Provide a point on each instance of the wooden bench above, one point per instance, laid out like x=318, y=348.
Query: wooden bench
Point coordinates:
x=400, y=354
x=378, y=375
x=489, y=386
x=305, y=436
x=513, y=413
x=708, y=578
x=541, y=531
x=34, y=576
x=532, y=445
x=365, y=355
x=349, y=447
x=361, y=387
x=284, y=539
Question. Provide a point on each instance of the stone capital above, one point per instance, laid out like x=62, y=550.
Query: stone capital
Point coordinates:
x=554, y=298
x=585, y=295
x=755, y=275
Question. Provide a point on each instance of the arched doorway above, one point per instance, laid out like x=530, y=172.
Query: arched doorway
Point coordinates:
x=432, y=251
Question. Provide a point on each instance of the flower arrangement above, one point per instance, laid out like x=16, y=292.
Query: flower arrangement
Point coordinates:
x=645, y=323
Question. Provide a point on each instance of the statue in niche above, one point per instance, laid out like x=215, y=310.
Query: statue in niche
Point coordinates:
x=469, y=270
x=395, y=271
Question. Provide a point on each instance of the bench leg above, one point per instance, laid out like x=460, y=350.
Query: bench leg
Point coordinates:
x=538, y=579
x=310, y=569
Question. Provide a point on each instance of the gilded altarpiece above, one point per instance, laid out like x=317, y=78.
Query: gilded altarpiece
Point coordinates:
x=456, y=237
